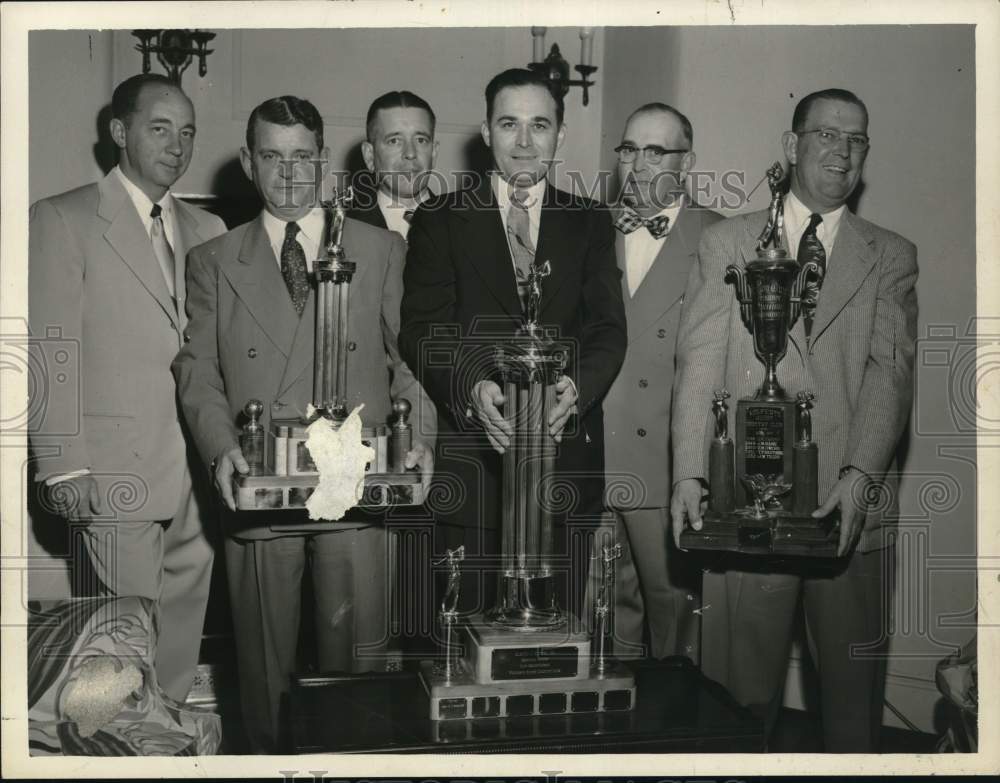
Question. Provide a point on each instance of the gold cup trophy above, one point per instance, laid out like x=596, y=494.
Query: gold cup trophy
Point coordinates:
x=282, y=473
x=524, y=656
x=769, y=511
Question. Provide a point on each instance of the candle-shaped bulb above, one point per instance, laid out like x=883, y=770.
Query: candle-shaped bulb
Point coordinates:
x=538, y=44
x=586, y=45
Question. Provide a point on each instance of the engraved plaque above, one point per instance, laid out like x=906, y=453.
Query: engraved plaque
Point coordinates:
x=532, y=663
x=764, y=443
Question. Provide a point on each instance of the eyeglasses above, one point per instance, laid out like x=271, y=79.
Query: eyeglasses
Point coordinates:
x=830, y=136
x=653, y=153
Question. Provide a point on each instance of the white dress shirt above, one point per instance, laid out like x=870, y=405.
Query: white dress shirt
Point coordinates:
x=310, y=234
x=642, y=248
x=394, y=212
x=502, y=190
x=797, y=220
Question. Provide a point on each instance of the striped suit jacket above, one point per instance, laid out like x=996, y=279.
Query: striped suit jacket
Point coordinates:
x=859, y=362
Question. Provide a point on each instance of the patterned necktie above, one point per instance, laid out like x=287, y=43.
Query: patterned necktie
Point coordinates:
x=293, y=268
x=519, y=239
x=630, y=220
x=811, y=249
x=162, y=250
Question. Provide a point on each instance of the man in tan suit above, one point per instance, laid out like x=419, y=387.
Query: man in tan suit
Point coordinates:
x=658, y=231
x=252, y=324
x=107, y=272
x=856, y=354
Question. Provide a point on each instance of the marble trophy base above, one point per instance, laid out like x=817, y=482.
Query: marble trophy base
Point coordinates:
x=782, y=533
x=508, y=673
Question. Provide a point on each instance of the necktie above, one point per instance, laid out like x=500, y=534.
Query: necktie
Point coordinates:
x=811, y=249
x=293, y=268
x=408, y=215
x=630, y=220
x=519, y=239
x=162, y=250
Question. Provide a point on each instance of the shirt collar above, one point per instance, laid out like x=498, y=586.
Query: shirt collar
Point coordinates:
x=385, y=201
x=311, y=225
x=142, y=202
x=797, y=216
x=503, y=189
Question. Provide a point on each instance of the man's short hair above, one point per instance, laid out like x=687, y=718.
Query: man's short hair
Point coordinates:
x=832, y=94
x=125, y=99
x=521, y=77
x=648, y=108
x=286, y=110
x=396, y=99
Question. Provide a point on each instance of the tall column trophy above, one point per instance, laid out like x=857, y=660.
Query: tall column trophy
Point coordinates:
x=522, y=657
x=768, y=509
x=282, y=473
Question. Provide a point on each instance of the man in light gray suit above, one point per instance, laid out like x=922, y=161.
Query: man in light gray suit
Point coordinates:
x=657, y=239
x=856, y=354
x=106, y=272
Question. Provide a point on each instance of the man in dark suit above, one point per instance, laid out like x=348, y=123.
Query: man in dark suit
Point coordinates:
x=251, y=336
x=657, y=240
x=856, y=354
x=463, y=281
x=399, y=152
x=106, y=271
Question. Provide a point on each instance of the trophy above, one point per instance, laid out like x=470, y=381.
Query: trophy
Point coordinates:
x=523, y=656
x=768, y=511
x=282, y=473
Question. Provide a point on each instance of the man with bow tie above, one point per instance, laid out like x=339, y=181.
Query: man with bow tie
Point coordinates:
x=658, y=228
x=466, y=282
x=854, y=349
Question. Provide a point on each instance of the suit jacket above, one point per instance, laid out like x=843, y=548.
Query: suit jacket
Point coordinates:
x=859, y=362
x=364, y=206
x=460, y=299
x=96, y=289
x=637, y=408
x=247, y=341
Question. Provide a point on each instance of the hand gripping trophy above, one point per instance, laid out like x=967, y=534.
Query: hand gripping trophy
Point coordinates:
x=768, y=510
x=523, y=656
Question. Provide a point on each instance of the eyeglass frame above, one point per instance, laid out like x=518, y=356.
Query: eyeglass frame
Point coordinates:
x=852, y=138
x=656, y=149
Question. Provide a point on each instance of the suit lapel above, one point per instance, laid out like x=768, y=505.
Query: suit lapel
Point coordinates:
x=259, y=284
x=188, y=236
x=555, y=232
x=663, y=286
x=130, y=241
x=848, y=266
x=485, y=246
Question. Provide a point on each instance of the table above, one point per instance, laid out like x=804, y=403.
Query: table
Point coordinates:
x=678, y=711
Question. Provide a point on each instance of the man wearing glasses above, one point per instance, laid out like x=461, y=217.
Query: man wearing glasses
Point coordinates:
x=856, y=354
x=658, y=228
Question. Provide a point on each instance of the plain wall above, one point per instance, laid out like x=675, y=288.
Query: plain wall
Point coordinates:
x=739, y=87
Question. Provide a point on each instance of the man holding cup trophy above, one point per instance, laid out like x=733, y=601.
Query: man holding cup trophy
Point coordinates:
x=251, y=337
x=852, y=348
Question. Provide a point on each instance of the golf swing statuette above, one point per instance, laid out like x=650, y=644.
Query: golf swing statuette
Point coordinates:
x=763, y=483
x=524, y=656
x=282, y=473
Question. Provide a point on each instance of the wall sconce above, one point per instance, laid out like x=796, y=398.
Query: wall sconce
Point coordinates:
x=555, y=68
x=174, y=49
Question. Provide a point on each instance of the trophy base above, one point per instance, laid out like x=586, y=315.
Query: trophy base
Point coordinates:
x=278, y=493
x=462, y=697
x=496, y=654
x=782, y=533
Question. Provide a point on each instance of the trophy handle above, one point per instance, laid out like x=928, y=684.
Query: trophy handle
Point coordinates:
x=807, y=270
x=737, y=275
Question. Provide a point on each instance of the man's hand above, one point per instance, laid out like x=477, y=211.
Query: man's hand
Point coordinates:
x=75, y=498
x=486, y=399
x=424, y=457
x=564, y=408
x=225, y=465
x=686, y=505
x=851, y=495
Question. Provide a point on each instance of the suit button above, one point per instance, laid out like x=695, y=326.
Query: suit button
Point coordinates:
x=352, y=346
x=661, y=333
x=187, y=337
x=252, y=353
x=641, y=432
x=643, y=383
